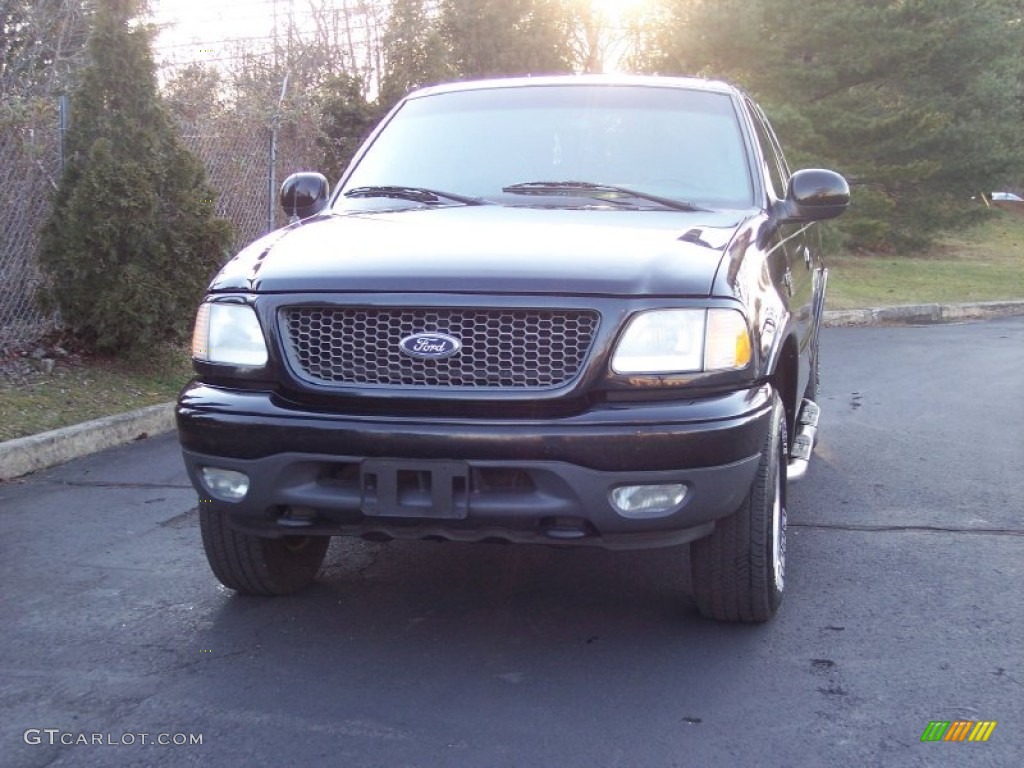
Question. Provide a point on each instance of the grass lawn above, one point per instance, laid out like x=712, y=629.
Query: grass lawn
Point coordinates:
x=984, y=264
x=78, y=389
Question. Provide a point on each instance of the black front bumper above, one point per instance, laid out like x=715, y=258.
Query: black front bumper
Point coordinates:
x=544, y=481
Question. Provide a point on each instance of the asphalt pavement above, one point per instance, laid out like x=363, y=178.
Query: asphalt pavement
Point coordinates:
x=903, y=608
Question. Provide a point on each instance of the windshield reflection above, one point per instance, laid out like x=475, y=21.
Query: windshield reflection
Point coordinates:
x=682, y=145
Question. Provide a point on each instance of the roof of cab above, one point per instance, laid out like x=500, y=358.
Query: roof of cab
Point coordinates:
x=652, y=81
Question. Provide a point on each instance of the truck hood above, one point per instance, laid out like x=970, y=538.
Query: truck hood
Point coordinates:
x=489, y=249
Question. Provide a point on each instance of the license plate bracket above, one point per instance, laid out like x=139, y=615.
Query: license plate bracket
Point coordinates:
x=415, y=488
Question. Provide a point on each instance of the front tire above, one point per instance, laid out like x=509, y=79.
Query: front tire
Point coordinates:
x=738, y=572
x=254, y=565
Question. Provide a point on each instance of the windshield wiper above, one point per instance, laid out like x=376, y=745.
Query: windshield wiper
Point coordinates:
x=415, y=194
x=562, y=187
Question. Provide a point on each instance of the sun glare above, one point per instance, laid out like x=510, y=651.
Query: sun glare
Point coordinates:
x=616, y=10
x=615, y=16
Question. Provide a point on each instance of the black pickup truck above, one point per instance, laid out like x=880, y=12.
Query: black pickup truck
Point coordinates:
x=575, y=311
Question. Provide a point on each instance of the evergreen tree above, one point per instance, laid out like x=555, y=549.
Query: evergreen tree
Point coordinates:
x=414, y=51
x=347, y=119
x=132, y=239
x=919, y=102
x=489, y=38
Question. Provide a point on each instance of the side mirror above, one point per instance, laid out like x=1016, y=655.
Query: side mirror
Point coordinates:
x=815, y=194
x=304, y=195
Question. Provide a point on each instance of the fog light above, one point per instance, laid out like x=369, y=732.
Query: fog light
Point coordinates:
x=647, y=500
x=225, y=484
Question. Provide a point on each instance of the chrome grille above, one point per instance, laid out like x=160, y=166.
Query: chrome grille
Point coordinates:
x=501, y=348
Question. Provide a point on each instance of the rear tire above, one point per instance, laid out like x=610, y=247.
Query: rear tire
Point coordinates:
x=254, y=565
x=738, y=572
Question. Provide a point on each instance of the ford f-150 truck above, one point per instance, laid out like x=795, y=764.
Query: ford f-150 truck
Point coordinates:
x=575, y=311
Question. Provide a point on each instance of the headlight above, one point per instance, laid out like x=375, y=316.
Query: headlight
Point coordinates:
x=230, y=334
x=683, y=341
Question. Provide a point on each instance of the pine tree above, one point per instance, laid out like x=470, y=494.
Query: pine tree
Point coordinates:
x=414, y=51
x=347, y=120
x=132, y=239
x=919, y=102
x=490, y=38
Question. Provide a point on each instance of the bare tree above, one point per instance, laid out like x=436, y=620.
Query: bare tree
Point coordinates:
x=41, y=43
x=349, y=37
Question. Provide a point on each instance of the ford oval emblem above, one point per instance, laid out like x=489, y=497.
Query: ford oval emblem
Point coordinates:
x=430, y=346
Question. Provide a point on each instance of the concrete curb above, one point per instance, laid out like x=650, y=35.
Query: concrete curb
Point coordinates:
x=30, y=454
x=922, y=314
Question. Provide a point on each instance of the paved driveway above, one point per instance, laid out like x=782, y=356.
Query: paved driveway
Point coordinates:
x=904, y=606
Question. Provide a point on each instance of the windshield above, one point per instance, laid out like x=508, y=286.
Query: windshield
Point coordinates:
x=679, y=144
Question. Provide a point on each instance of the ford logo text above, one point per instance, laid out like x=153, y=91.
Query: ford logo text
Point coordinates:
x=430, y=346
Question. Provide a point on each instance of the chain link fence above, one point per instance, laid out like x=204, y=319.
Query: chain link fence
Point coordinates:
x=29, y=171
x=236, y=164
x=247, y=158
x=250, y=108
x=235, y=145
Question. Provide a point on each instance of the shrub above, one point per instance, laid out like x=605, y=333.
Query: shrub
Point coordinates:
x=132, y=239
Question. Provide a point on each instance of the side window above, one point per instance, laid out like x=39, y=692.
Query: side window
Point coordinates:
x=775, y=164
